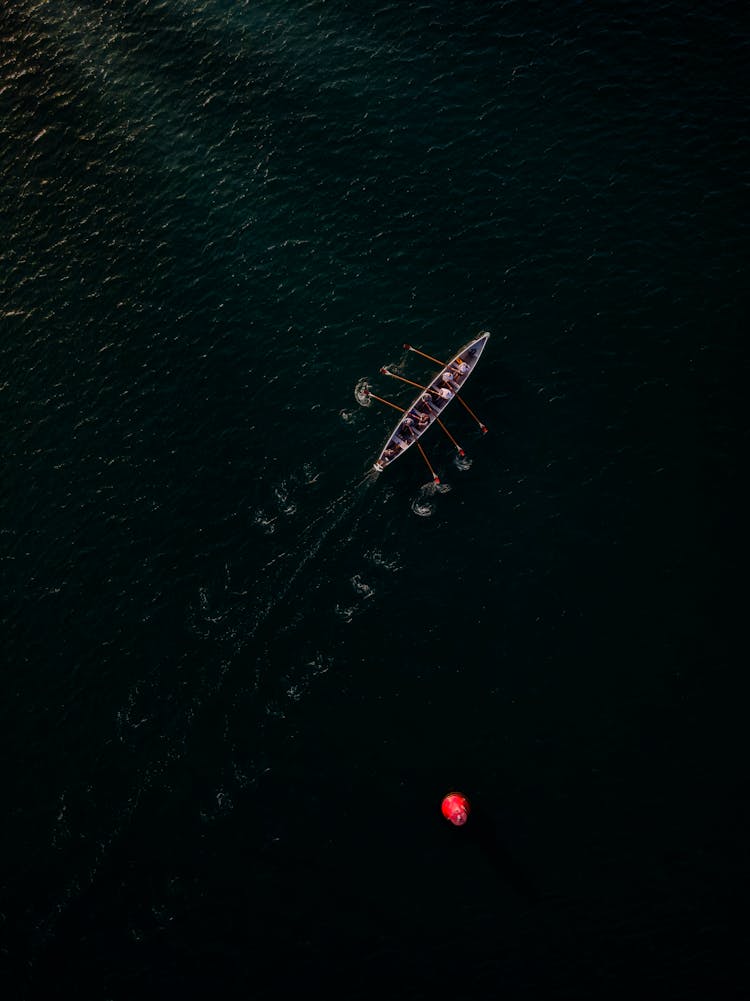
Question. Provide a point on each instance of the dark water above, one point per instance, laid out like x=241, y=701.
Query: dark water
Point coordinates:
x=239, y=673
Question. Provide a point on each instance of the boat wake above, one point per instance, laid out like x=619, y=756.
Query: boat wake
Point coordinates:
x=230, y=619
x=281, y=573
x=258, y=659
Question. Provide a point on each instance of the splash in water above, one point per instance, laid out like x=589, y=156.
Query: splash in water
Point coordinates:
x=362, y=393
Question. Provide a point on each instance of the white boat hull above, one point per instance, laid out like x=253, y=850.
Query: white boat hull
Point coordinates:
x=428, y=405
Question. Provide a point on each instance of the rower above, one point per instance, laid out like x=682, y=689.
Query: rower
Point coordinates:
x=461, y=367
x=420, y=417
x=407, y=428
x=444, y=392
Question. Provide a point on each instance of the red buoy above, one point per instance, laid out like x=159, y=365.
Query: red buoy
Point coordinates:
x=455, y=807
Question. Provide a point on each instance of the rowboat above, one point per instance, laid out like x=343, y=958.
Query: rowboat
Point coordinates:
x=426, y=408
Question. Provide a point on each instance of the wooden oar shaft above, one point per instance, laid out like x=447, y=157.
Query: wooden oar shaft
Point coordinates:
x=458, y=447
x=432, y=471
x=469, y=410
x=417, y=385
x=387, y=402
x=428, y=357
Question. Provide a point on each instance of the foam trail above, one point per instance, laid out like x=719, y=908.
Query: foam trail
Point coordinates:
x=335, y=512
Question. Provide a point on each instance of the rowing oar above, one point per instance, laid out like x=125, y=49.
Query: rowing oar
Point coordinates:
x=432, y=471
x=381, y=400
x=460, y=399
x=385, y=371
